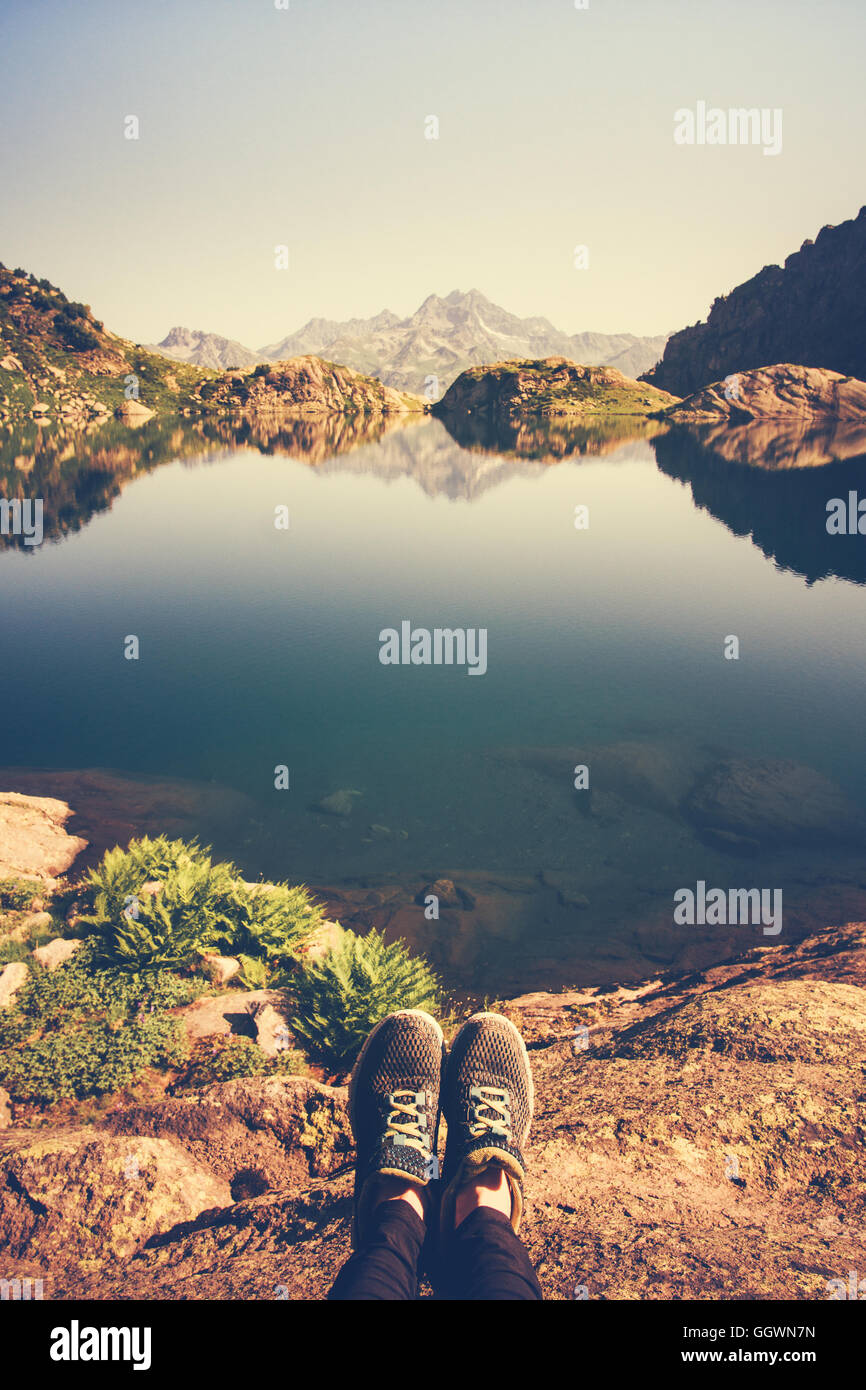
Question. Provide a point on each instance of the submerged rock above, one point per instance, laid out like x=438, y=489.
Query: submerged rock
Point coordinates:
x=338, y=803
x=774, y=802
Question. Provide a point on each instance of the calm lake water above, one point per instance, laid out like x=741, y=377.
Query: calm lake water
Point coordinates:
x=260, y=647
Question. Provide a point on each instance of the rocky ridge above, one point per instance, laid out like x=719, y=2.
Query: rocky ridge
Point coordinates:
x=810, y=311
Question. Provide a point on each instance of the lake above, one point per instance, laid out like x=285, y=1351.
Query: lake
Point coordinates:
x=259, y=648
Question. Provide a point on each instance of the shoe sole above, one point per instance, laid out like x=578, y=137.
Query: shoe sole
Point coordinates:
x=521, y=1045
x=356, y=1070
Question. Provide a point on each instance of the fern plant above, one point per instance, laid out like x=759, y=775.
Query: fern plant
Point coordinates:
x=271, y=923
x=341, y=997
x=198, y=906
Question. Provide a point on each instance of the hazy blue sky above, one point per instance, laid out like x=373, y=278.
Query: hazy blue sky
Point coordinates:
x=306, y=127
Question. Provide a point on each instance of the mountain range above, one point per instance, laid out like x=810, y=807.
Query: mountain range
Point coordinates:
x=440, y=340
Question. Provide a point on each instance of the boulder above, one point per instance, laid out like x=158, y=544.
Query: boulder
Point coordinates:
x=232, y=1012
x=257, y=1133
x=326, y=936
x=12, y=977
x=33, y=843
x=5, y=1109
x=781, y=392
x=133, y=413
x=220, y=969
x=98, y=1197
x=774, y=802
x=338, y=803
x=56, y=952
x=272, y=1032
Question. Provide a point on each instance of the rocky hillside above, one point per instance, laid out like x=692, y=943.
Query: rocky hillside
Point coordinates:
x=783, y=392
x=811, y=311
x=550, y=387
x=58, y=362
x=442, y=338
x=696, y=1137
x=310, y=385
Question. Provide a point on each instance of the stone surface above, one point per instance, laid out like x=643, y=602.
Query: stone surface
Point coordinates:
x=326, y=936
x=783, y=392
x=220, y=969
x=133, y=412
x=98, y=1197
x=231, y=1012
x=12, y=977
x=33, y=842
x=56, y=952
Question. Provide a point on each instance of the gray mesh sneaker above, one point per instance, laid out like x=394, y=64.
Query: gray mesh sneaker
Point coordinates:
x=394, y=1107
x=487, y=1100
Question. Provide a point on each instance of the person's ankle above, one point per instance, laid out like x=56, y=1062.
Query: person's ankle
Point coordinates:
x=391, y=1189
x=489, y=1189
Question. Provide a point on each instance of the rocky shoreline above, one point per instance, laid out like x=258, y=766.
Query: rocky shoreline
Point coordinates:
x=697, y=1137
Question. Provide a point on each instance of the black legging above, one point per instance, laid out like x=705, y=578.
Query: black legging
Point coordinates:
x=483, y=1260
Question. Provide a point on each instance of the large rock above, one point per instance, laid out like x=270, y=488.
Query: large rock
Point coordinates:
x=257, y=1133
x=56, y=952
x=784, y=393
x=232, y=1012
x=775, y=802
x=133, y=413
x=782, y=1021
x=94, y=1197
x=12, y=977
x=33, y=842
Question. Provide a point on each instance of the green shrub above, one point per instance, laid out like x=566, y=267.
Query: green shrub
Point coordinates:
x=17, y=893
x=262, y=369
x=81, y=1031
x=74, y=332
x=199, y=906
x=230, y=1057
x=341, y=997
x=271, y=923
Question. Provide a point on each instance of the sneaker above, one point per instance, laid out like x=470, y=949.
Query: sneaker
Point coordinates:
x=487, y=1100
x=394, y=1108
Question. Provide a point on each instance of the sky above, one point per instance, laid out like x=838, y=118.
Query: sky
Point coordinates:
x=305, y=127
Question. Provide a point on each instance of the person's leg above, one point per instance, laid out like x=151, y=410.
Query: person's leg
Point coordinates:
x=386, y=1267
x=394, y=1113
x=487, y=1103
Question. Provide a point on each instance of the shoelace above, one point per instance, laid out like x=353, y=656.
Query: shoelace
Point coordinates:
x=495, y=1100
x=412, y=1130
